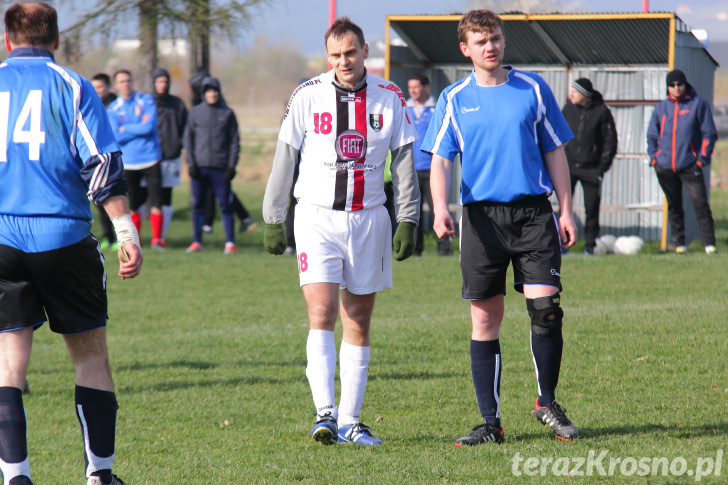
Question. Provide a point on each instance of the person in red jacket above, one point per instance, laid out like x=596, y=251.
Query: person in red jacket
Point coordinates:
x=680, y=140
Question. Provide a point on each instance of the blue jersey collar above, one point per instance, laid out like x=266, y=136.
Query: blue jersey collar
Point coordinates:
x=31, y=52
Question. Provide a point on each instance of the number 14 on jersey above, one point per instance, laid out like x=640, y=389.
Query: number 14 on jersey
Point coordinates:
x=30, y=115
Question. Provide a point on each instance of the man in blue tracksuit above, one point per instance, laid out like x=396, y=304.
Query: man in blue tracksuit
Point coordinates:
x=420, y=107
x=133, y=117
x=680, y=141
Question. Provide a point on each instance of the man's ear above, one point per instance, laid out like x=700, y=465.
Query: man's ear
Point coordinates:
x=464, y=49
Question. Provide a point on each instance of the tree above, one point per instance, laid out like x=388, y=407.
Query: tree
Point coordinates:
x=198, y=19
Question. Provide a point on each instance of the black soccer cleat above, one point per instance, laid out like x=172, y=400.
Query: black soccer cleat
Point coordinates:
x=483, y=433
x=94, y=480
x=555, y=416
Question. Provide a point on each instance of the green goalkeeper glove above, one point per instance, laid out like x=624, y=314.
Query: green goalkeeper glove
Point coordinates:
x=274, y=238
x=403, y=244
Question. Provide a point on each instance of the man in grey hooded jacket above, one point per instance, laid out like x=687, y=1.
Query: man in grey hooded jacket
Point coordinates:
x=212, y=144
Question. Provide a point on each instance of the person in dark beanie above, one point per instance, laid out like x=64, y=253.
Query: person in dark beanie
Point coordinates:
x=171, y=121
x=680, y=141
x=591, y=152
x=212, y=144
x=247, y=223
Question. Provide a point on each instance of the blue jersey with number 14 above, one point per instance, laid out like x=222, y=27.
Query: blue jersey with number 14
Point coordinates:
x=57, y=151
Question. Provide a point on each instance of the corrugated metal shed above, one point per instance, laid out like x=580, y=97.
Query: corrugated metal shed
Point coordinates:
x=625, y=55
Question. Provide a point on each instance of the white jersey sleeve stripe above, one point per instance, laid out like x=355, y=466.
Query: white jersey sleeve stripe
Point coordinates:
x=101, y=173
x=541, y=110
x=78, y=121
x=450, y=118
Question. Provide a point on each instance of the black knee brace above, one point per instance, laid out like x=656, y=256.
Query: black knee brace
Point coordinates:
x=546, y=315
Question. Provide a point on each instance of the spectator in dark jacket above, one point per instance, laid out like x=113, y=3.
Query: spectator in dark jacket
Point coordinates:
x=680, y=140
x=171, y=120
x=591, y=152
x=247, y=223
x=212, y=145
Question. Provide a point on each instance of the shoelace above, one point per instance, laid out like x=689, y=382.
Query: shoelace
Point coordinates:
x=324, y=417
x=361, y=428
x=489, y=428
x=560, y=414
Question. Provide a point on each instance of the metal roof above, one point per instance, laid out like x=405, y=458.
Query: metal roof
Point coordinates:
x=559, y=39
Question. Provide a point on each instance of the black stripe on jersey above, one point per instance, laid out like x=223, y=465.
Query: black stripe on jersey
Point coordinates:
x=342, y=175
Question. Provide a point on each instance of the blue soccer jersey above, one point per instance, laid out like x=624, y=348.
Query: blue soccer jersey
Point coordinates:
x=134, y=122
x=57, y=151
x=501, y=133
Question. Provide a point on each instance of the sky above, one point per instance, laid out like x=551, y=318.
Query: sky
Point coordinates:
x=302, y=23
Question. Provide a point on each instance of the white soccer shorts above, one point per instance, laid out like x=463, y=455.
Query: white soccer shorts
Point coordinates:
x=353, y=249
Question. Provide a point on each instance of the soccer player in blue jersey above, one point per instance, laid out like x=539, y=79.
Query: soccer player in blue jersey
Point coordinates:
x=133, y=118
x=57, y=151
x=509, y=132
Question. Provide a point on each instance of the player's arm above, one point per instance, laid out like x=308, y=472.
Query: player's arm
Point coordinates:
x=275, y=200
x=119, y=134
x=440, y=171
x=104, y=174
x=147, y=124
x=558, y=170
x=406, y=187
x=130, y=251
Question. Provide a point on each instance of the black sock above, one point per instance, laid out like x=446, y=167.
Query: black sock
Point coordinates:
x=485, y=364
x=547, y=355
x=96, y=412
x=13, y=429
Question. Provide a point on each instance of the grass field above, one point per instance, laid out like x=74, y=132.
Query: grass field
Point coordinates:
x=208, y=355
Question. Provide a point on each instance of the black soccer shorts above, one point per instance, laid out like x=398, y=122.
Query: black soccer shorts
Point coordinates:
x=493, y=235
x=67, y=284
x=152, y=194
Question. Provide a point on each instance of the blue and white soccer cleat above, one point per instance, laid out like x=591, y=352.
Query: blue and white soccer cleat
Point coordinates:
x=325, y=430
x=358, y=433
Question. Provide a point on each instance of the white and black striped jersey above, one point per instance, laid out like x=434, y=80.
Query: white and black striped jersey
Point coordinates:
x=343, y=138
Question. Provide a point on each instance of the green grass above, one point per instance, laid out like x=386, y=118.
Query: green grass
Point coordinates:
x=208, y=355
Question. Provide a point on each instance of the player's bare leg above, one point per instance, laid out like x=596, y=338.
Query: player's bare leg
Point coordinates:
x=14, y=357
x=543, y=302
x=322, y=301
x=90, y=358
x=96, y=404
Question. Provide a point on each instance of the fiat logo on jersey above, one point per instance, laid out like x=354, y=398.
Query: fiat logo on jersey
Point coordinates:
x=375, y=121
x=351, y=145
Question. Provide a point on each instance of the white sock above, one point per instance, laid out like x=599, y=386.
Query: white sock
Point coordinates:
x=12, y=470
x=167, y=211
x=321, y=370
x=354, y=370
